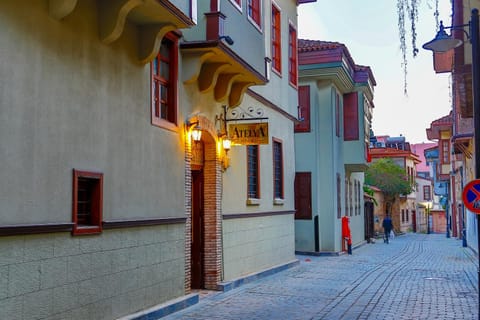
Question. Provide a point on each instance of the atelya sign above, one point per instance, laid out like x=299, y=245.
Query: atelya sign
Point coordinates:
x=248, y=133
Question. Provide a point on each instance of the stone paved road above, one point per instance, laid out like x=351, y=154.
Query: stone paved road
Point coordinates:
x=416, y=276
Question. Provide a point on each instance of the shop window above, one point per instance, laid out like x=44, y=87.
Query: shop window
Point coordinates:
x=277, y=169
x=253, y=172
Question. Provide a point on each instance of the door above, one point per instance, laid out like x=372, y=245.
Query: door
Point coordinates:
x=197, y=245
x=414, y=221
x=369, y=227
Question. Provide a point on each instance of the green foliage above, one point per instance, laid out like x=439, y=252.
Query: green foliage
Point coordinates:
x=371, y=193
x=388, y=177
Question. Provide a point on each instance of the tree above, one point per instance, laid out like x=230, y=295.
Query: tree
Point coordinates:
x=390, y=178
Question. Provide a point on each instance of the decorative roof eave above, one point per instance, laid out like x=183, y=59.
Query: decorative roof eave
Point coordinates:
x=154, y=19
x=333, y=72
x=367, y=90
x=324, y=54
x=437, y=126
x=462, y=143
x=215, y=67
x=356, y=167
x=391, y=152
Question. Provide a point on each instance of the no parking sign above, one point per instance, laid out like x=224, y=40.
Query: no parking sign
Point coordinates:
x=471, y=196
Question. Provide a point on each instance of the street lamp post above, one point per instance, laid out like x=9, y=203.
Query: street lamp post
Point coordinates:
x=443, y=43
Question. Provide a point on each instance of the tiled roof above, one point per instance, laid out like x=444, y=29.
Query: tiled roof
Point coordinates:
x=305, y=45
x=444, y=120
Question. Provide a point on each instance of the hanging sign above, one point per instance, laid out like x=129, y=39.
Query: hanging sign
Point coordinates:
x=471, y=196
x=248, y=133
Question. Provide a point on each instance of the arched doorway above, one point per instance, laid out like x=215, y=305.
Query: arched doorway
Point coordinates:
x=197, y=230
x=203, y=192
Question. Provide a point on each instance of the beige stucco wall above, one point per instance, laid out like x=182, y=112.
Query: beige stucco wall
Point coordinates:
x=69, y=101
x=122, y=271
x=254, y=244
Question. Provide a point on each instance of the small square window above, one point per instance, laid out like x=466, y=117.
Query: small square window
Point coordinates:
x=87, y=204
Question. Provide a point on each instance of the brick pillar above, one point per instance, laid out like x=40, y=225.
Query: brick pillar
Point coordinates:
x=188, y=214
x=212, y=180
x=212, y=217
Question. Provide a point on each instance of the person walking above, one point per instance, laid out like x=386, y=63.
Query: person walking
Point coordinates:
x=387, y=227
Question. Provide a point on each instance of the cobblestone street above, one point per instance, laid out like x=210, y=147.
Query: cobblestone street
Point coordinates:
x=416, y=276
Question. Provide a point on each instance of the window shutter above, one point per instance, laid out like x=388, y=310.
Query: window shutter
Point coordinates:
x=304, y=109
x=350, y=116
x=303, y=195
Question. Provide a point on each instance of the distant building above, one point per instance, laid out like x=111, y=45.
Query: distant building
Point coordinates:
x=331, y=146
x=403, y=210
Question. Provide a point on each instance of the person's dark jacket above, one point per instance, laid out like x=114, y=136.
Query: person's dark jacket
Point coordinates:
x=387, y=224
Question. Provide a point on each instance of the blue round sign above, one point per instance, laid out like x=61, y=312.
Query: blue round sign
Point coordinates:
x=471, y=196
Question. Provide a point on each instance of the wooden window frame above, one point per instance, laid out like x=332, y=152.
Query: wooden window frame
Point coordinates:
x=237, y=4
x=278, y=193
x=168, y=121
x=292, y=56
x=276, y=39
x=193, y=6
x=254, y=12
x=253, y=194
x=95, y=225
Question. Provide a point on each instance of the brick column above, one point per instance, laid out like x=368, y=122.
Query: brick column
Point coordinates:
x=212, y=217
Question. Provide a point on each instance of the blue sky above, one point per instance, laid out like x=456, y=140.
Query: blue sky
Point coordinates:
x=369, y=30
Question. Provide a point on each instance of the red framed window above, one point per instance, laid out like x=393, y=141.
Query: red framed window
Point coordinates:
x=277, y=169
x=292, y=55
x=253, y=172
x=87, y=202
x=164, y=70
x=276, y=39
x=253, y=11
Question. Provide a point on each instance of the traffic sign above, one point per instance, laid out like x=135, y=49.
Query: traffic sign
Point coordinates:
x=471, y=196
